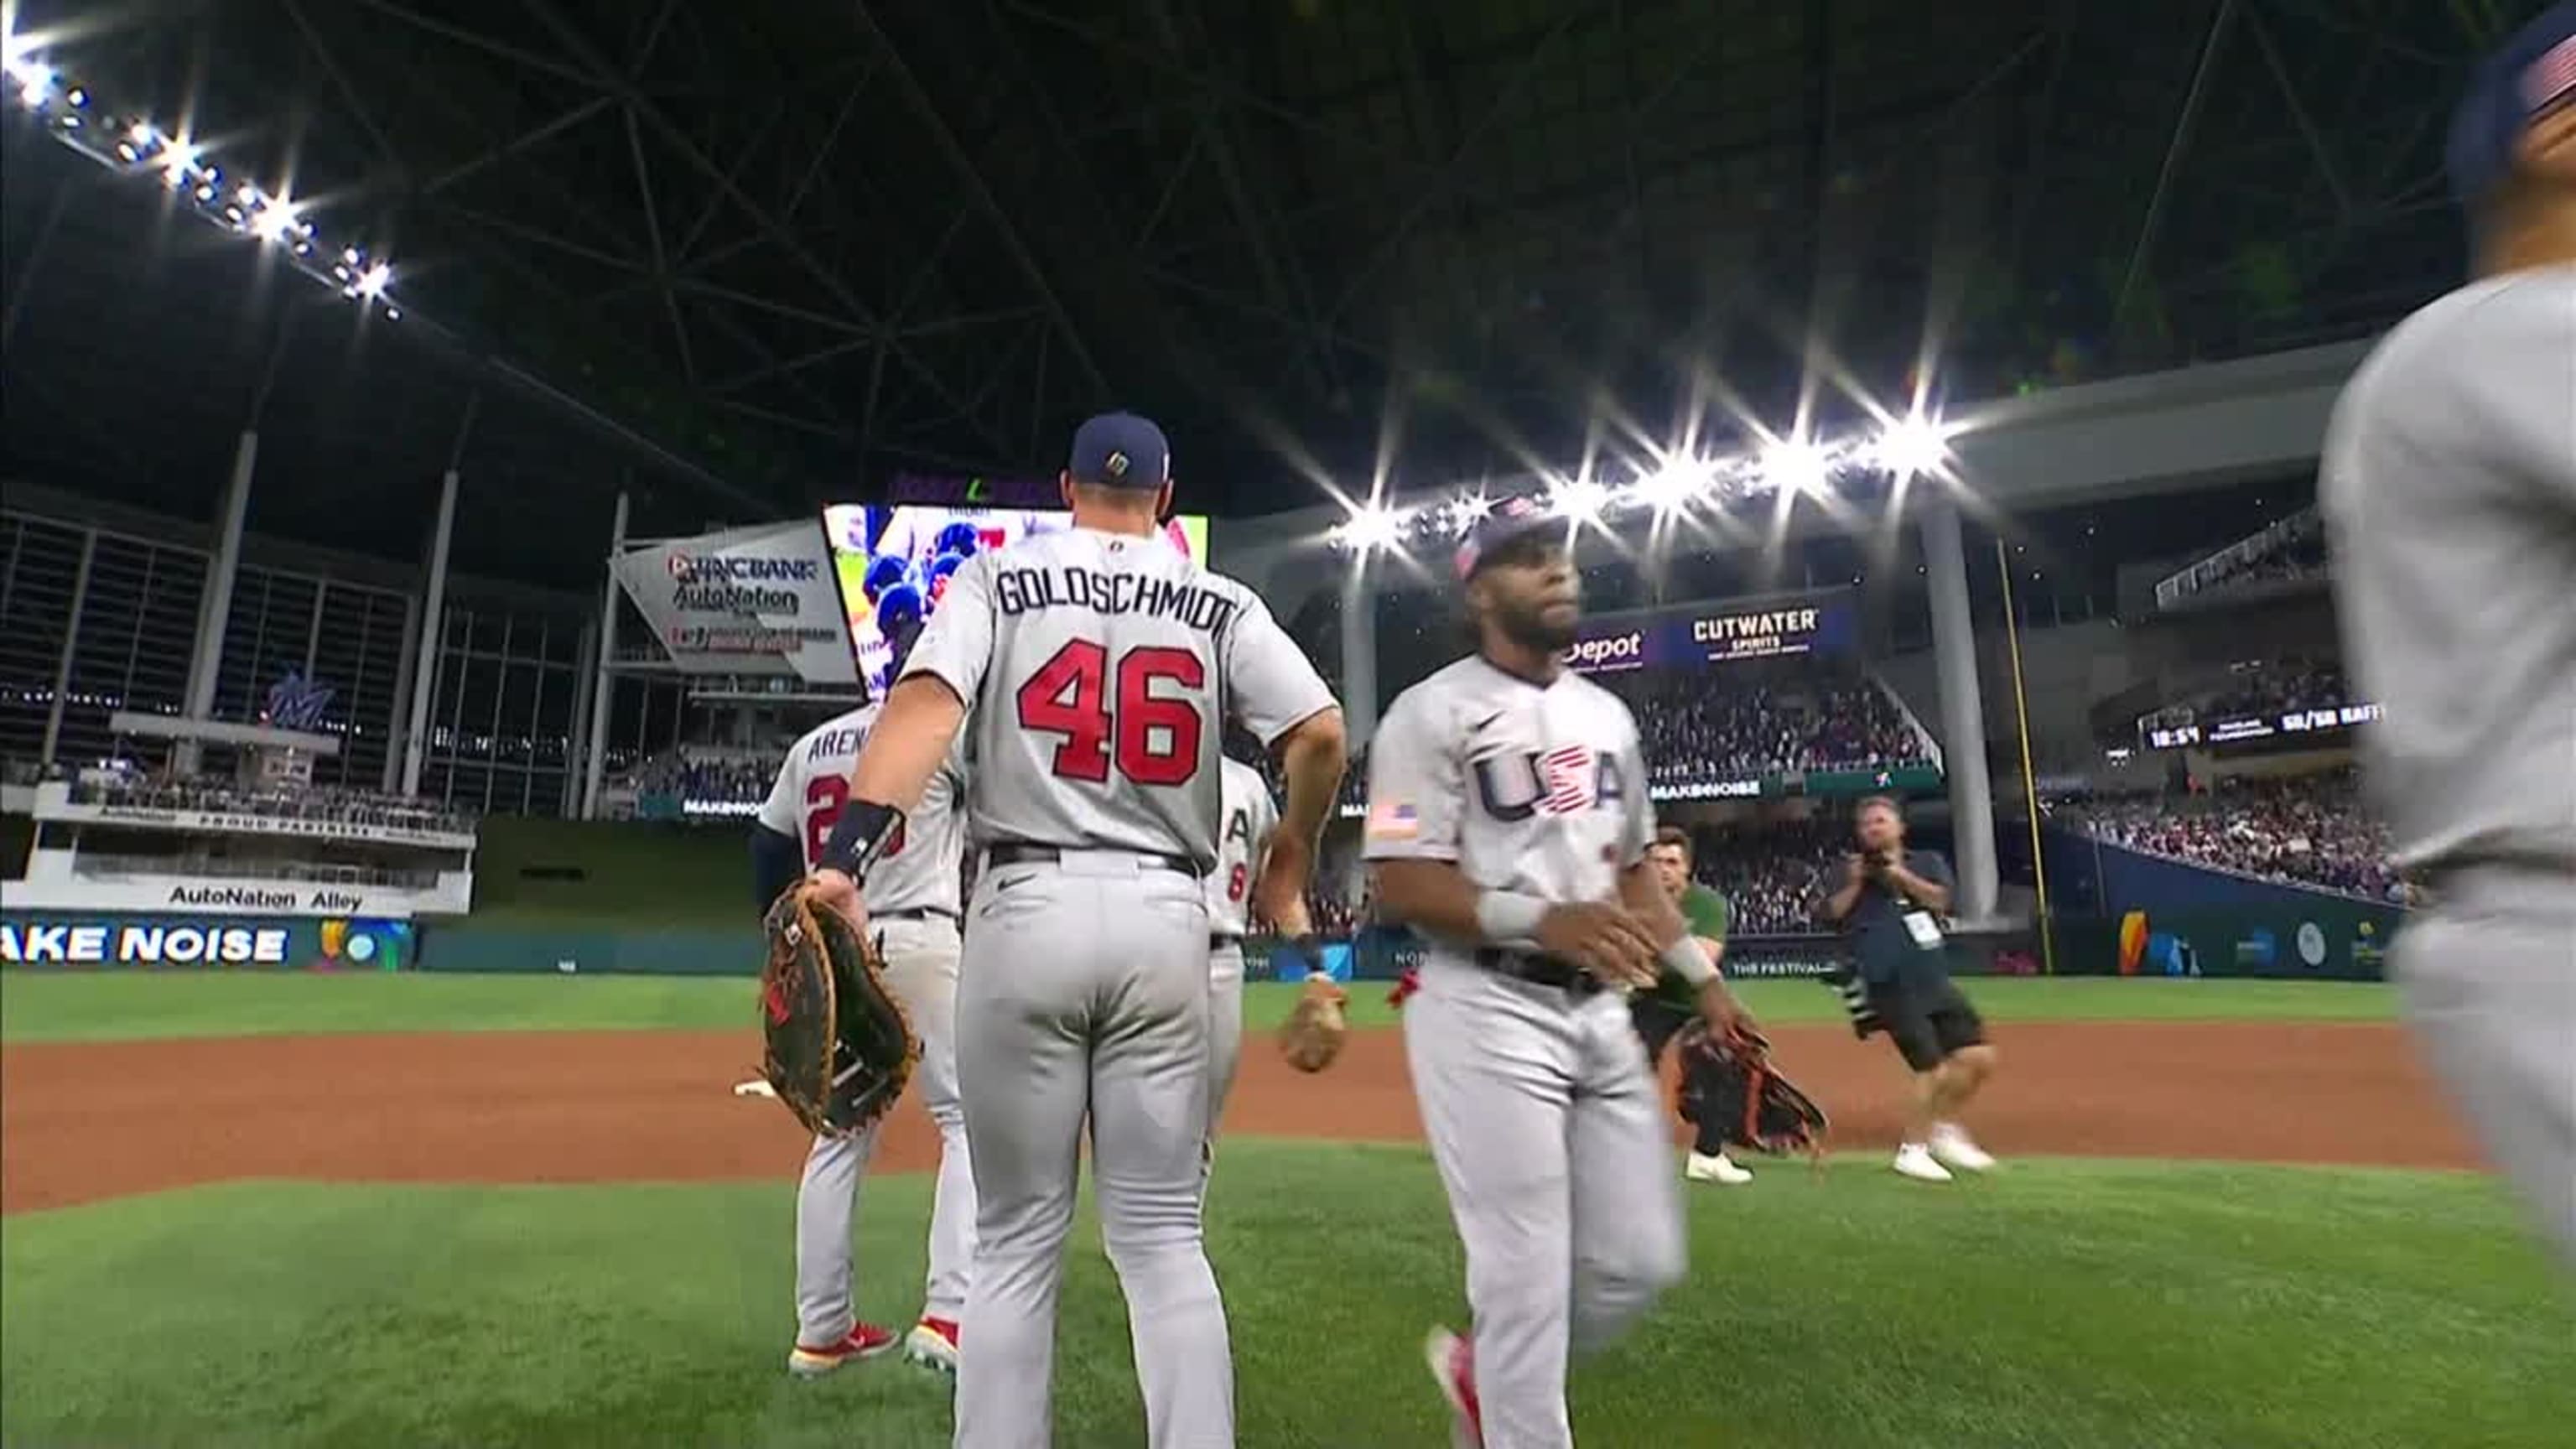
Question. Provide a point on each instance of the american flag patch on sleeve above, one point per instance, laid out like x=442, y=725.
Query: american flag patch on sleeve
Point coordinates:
x=1393, y=820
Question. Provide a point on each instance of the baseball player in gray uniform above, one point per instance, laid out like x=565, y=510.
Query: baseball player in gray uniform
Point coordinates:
x=1098, y=666
x=2449, y=489
x=913, y=894
x=1508, y=822
x=1250, y=819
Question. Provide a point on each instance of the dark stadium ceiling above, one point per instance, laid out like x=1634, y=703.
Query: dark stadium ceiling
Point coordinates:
x=772, y=251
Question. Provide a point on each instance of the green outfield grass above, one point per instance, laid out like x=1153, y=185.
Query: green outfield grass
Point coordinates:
x=97, y=1006
x=2058, y=1304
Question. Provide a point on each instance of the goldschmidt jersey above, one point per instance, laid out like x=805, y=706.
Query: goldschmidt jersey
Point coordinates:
x=1243, y=837
x=2449, y=491
x=1098, y=670
x=920, y=869
x=1536, y=789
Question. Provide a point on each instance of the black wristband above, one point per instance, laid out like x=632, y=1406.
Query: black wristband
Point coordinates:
x=859, y=837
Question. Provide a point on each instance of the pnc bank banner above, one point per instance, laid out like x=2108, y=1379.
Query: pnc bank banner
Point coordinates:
x=1697, y=636
x=758, y=600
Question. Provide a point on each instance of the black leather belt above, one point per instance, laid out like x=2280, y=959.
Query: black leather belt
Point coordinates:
x=1538, y=970
x=1048, y=855
x=1220, y=941
x=923, y=913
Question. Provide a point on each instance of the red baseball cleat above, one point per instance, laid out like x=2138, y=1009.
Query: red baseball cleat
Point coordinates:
x=864, y=1340
x=933, y=1344
x=1453, y=1363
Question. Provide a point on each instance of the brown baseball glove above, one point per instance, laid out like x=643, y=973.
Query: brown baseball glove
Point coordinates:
x=1312, y=1036
x=839, y=1047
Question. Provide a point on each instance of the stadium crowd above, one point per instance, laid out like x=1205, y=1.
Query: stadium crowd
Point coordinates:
x=318, y=804
x=2307, y=830
x=684, y=774
x=1705, y=727
x=1773, y=875
x=2276, y=686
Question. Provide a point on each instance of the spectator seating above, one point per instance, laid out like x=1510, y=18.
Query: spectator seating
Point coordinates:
x=2276, y=686
x=1733, y=724
x=222, y=797
x=2307, y=830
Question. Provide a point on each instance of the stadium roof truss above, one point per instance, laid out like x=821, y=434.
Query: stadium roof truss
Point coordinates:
x=783, y=244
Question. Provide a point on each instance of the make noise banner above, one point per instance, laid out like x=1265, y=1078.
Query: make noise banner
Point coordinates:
x=1695, y=636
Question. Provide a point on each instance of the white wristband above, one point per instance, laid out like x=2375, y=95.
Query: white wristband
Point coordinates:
x=1510, y=920
x=1686, y=960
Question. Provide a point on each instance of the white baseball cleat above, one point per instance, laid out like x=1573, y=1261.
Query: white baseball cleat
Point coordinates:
x=1720, y=1168
x=1914, y=1160
x=932, y=1343
x=1452, y=1361
x=1950, y=1144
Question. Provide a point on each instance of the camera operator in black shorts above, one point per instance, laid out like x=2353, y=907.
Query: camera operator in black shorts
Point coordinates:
x=1890, y=904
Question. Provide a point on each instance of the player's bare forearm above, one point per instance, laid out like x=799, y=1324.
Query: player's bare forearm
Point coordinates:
x=907, y=743
x=1432, y=896
x=1312, y=755
x=1841, y=903
x=1644, y=897
x=1715, y=949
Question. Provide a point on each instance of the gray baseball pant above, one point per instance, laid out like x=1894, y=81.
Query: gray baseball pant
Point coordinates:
x=1225, y=1042
x=1548, y=1129
x=921, y=970
x=1084, y=992
x=2489, y=979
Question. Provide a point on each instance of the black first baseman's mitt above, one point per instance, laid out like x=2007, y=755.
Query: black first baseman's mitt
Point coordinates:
x=839, y=1045
x=1730, y=1085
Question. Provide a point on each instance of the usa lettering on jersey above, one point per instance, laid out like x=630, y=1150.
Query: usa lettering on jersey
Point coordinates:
x=1562, y=781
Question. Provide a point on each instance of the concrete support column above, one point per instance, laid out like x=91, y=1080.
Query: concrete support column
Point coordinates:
x=595, y=759
x=71, y=639
x=215, y=604
x=1963, y=712
x=577, y=747
x=433, y=609
x=397, y=719
x=1359, y=655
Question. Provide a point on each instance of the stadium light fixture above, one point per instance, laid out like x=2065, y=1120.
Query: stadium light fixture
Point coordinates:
x=1465, y=513
x=1672, y=487
x=1912, y=447
x=1579, y=499
x=273, y=219
x=1370, y=529
x=33, y=78
x=131, y=141
x=1795, y=465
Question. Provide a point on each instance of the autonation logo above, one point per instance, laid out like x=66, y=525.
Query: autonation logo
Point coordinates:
x=1618, y=651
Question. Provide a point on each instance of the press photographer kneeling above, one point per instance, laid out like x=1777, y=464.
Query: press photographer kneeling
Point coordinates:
x=1890, y=905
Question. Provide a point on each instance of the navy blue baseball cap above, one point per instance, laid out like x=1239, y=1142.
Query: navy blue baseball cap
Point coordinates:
x=2533, y=74
x=1507, y=522
x=1121, y=450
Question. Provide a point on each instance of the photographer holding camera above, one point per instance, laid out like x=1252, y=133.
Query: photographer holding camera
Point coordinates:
x=1891, y=902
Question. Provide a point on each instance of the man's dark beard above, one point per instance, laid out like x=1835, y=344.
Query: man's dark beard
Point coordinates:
x=1529, y=629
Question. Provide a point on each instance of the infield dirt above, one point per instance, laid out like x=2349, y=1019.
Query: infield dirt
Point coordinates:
x=83, y=1122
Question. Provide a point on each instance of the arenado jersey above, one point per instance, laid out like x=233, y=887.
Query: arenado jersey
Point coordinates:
x=920, y=870
x=2449, y=491
x=1098, y=670
x=1243, y=838
x=1537, y=789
